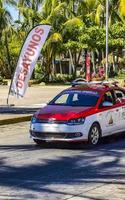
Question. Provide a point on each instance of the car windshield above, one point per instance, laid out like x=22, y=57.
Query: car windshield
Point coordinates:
x=76, y=98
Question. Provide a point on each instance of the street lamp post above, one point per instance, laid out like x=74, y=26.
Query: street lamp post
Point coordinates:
x=107, y=26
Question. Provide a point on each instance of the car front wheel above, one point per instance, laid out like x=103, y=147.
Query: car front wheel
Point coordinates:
x=94, y=134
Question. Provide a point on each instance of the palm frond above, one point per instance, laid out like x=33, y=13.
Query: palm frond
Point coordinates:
x=73, y=22
x=55, y=37
x=99, y=11
x=122, y=8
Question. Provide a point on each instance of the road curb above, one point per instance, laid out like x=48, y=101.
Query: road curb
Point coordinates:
x=15, y=120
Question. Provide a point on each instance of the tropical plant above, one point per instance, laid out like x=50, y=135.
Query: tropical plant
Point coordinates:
x=77, y=26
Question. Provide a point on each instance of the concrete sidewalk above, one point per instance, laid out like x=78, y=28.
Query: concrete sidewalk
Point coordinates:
x=23, y=109
x=13, y=114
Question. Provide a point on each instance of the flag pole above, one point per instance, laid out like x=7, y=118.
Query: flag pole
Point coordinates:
x=12, y=76
x=107, y=48
x=8, y=99
x=9, y=92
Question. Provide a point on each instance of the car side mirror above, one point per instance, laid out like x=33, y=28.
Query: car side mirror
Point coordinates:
x=107, y=104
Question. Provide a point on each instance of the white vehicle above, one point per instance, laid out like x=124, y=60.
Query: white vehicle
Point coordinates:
x=84, y=112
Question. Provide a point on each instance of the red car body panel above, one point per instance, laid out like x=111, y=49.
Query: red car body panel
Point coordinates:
x=59, y=112
x=63, y=112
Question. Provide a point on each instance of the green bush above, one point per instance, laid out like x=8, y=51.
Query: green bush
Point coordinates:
x=120, y=75
x=39, y=73
x=40, y=76
x=62, y=78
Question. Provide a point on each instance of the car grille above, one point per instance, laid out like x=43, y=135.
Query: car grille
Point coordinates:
x=50, y=135
x=51, y=121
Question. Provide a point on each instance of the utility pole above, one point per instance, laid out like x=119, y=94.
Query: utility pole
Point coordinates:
x=107, y=49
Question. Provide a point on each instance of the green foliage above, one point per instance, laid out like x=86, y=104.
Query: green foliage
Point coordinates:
x=93, y=37
x=40, y=76
x=62, y=78
x=72, y=29
x=71, y=32
x=117, y=36
x=39, y=73
x=117, y=30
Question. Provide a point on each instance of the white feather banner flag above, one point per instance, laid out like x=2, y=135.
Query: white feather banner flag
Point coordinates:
x=27, y=59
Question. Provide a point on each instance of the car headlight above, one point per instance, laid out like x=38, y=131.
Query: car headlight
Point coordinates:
x=76, y=121
x=35, y=120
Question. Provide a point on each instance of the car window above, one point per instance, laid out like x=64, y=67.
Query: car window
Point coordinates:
x=107, y=97
x=76, y=98
x=120, y=94
x=62, y=99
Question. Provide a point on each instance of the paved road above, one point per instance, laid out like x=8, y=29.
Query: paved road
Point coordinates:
x=59, y=172
x=34, y=98
x=34, y=95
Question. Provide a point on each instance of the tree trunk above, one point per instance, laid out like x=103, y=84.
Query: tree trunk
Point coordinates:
x=71, y=60
x=93, y=61
x=34, y=9
x=79, y=57
x=53, y=67
x=8, y=55
x=113, y=56
x=103, y=58
x=60, y=66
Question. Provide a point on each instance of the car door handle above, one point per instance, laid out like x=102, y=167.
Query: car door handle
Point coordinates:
x=117, y=110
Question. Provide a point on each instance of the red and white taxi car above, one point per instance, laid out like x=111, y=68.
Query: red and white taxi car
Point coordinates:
x=84, y=112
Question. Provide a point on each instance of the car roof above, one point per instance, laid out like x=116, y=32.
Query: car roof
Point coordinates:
x=93, y=87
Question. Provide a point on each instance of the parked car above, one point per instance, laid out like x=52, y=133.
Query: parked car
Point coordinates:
x=83, y=112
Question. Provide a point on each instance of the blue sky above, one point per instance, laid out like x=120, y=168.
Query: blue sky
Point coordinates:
x=13, y=11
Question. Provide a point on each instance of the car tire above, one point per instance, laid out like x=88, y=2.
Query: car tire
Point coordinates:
x=39, y=142
x=94, y=134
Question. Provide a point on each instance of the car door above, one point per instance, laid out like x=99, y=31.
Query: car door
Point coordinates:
x=107, y=114
x=120, y=99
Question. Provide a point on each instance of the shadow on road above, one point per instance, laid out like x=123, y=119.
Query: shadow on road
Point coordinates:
x=17, y=110
x=105, y=142
x=98, y=165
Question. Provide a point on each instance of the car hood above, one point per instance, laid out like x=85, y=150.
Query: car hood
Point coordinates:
x=62, y=112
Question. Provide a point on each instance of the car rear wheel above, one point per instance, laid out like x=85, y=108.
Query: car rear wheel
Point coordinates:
x=94, y=134
x=39, y=142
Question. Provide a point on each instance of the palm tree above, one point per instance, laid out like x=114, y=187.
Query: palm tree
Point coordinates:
x=29, y=11
x=5, y=18
x=116, y=11
x=5, y=27
x=53, y=14
x=121, y=9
